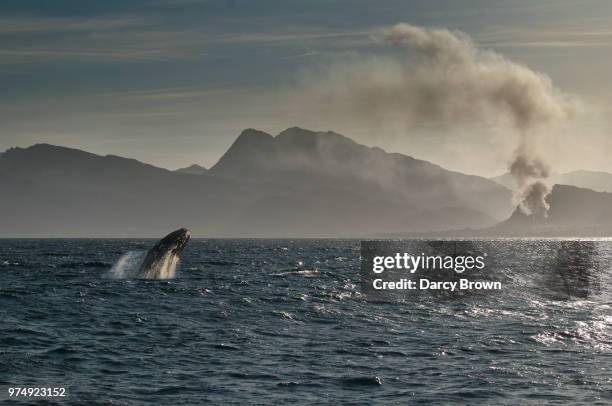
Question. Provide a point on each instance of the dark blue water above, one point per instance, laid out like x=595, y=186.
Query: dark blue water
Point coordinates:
x=258, y=322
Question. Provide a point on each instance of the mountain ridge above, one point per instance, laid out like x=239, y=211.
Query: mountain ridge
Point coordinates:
x=300, y=157
x=300, y=183
x=193, y=169
x=573, y=211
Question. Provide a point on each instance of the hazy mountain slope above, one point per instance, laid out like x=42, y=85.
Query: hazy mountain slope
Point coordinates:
x=306, y=159
x=573, y=212
x=51, y=191
x=335, y=213
x=298, y=184
x=597, y=181
x=505, y=180
x=54, y=165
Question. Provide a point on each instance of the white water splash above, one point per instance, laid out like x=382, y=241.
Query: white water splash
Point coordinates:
x=127, y=266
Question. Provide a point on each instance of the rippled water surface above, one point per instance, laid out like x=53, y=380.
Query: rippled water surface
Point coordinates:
x=264, y=321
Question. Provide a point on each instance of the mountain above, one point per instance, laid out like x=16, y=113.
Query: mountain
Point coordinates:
x=52, y=191
x=192, y=170
x=573, y=212
x=597, y=181
x=505, y=180
x=298, y=184
x=308, y=161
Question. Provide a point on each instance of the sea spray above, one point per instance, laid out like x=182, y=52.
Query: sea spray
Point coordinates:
x=127, y=266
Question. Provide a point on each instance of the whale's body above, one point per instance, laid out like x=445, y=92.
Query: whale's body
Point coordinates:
x=160, y=261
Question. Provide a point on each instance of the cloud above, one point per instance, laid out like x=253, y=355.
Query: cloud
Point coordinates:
x=137, y=38
x=142, y=38
x=23, y=24
x=551, y=37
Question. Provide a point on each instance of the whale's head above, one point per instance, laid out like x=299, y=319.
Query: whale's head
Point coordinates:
x=175, y=242
x=161, y=260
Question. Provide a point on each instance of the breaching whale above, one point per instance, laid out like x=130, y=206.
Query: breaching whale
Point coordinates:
x=161, y=260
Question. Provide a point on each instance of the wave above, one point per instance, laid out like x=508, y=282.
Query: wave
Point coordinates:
x=361, y=381
x=305, y=273
x=87, y=264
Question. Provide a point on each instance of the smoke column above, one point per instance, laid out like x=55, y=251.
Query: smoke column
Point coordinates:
x=453, y=81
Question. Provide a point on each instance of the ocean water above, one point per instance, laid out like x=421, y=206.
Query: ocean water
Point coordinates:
x=279, y=321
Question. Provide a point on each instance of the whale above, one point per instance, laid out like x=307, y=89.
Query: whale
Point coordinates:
x=160, y=261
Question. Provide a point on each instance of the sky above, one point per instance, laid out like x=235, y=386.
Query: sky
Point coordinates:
x=174, y=82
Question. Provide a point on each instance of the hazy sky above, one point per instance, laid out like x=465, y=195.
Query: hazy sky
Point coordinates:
x=173, y=82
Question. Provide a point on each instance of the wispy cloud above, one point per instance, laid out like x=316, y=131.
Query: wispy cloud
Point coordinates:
x=173, y=94
x=28, y=24
x=550, y=37
x=33, y=39
x=263, y=37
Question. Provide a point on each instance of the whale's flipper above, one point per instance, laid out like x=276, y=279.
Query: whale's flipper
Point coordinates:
x=161, y=260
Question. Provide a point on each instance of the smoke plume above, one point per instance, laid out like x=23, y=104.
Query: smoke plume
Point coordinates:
x=451, y=81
